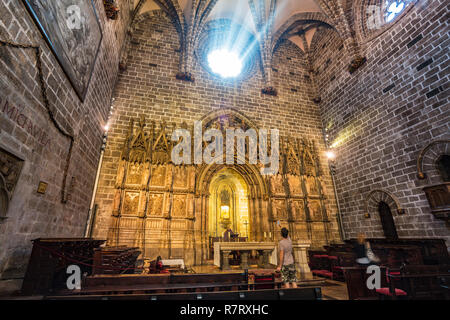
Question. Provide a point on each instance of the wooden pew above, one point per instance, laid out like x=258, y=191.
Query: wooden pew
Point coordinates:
x=161, y=283
x=356, y=279
x=422, y=282
x=115, y=260
x=49, y=259
x=304, y=293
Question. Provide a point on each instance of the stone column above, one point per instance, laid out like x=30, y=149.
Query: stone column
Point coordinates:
x=225, y=261
x=301, y=259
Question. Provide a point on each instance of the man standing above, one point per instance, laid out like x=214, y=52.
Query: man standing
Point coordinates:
x=286, y=261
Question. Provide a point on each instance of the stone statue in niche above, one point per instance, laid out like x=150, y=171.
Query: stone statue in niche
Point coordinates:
x=155, y=204
x=120, y=174
x=135, y=172
x=311, y=185
x=158, y=175
x=116, y=204
x=322, y=186
x=309, y=166
x=180, y=176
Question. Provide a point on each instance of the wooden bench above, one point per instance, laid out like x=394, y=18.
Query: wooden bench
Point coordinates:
x=50, y=258
x=356, y=280
x=421, y=282
x=115, y=260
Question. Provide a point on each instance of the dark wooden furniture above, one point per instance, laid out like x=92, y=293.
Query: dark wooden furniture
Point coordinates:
x=46, y=271
x=356, y=279
x=304, y=293
x=439, y=199
x=115, y=260
x=263, y=279
x=424, y=282
x=392, y=253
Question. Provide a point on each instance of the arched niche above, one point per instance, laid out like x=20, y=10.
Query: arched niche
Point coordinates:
x=382, y=205
x=428, y=158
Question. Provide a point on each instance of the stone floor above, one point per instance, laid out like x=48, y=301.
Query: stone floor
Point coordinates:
x=334, y=290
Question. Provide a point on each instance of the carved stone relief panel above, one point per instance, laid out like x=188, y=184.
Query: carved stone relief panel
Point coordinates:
x=279, y=209
x=131, y=203
x=315, y=210
x=294, y=185
x=10, y=168
x=156, y=204
x=298, y=210
x=135, y=173
x=179, y=206
x=277, y=184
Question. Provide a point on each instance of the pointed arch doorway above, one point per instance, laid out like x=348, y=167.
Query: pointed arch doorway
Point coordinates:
x=387, y=221
x=228, y=204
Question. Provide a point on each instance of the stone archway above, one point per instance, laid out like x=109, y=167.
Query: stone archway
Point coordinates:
x=258, y=201
x=228, y=204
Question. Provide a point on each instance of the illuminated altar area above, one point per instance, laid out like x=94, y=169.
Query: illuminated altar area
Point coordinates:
x=180, y=211
x=228, y=204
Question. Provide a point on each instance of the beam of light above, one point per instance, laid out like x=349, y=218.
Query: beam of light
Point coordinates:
x=225, y=63
x=231, y=48
x=330, y=155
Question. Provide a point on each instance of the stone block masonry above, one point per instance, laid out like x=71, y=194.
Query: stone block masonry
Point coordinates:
x=380, y=117
x=27, y=132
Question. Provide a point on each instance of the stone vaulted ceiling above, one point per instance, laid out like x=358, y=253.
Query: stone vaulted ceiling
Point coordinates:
x=239, y=11
x=271, y=21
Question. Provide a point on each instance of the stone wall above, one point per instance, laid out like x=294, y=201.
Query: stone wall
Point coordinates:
x=380, y=117
x=28, y=132
x=148, y=87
